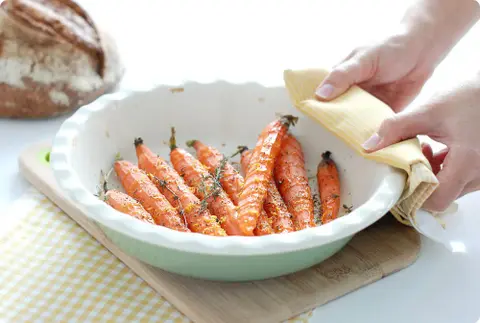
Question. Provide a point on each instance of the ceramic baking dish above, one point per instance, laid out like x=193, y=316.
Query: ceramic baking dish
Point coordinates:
x=223, y=115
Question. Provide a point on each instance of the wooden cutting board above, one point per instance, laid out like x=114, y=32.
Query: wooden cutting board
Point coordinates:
x=372, y=254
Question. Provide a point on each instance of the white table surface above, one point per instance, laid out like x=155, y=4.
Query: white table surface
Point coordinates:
x=173, y=41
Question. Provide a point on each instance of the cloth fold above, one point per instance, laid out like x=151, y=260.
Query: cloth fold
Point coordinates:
x=354, y=117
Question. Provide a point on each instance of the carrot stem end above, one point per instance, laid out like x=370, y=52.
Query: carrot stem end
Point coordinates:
x=172, y=141
x=289, y=120
x=327, y=155
x=242, y=149
x=138, y=141
x=191, y=143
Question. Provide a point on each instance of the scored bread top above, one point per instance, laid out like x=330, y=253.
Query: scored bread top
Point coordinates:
x=63, y=20
x=53, y=58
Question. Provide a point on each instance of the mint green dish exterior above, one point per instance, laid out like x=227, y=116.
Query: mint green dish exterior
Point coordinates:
x=224, y=267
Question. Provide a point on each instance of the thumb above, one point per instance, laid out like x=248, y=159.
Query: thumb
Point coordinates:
x=342, y=77
x=451, y=182
x=402, y=126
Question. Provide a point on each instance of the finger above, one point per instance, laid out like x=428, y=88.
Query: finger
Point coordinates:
x=343, y=76
x=402, y=126
x=451, y=184
x=474, y=183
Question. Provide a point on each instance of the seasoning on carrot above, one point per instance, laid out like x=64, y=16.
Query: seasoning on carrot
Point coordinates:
x=259, y=172
x=173, y=187
x=126, y=204
x=211, y=158
x=264, y=225
x=274, y=205
x=328, y=188
x=138, y=185
x=206, y=187
x=231, y=180
x=292, y=182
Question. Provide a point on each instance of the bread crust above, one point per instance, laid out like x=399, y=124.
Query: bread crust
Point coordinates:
x=53, y=59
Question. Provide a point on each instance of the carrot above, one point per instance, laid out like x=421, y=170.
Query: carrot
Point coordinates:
x=274, y=205
x=231, y=181
x=205, y=186
x=259, y=172
x=137, y=184
x=264, y=225
x=328, y=187
x=292, y=182
x=126, y=204
x=173, y=187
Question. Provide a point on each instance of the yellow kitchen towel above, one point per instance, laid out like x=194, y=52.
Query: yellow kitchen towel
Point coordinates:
x=51, y=270
x=354, y=117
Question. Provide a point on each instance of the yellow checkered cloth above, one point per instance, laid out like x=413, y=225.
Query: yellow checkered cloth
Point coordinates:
x=54, y=271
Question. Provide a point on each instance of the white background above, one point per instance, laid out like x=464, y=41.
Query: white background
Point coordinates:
x=173, y=41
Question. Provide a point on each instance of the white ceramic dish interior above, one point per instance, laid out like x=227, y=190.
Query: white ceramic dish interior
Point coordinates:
x=223, y=115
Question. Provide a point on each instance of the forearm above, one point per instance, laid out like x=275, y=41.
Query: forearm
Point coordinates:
x=437, y=25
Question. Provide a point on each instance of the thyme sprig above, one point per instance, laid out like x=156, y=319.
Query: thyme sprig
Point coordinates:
x=216, y=187
x=102, y=189
x=164, y=184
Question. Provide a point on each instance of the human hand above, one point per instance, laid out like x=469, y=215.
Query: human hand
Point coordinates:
x=396, y=68
x=450, y=118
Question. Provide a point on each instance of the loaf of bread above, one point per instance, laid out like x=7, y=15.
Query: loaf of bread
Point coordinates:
x=53, y=58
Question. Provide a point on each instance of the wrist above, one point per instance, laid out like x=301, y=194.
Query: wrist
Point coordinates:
x=431, y=26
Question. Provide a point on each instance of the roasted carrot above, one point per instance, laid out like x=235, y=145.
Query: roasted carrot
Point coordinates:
x=231, y=180
x=138, y=185
x=173, y=187
x=328, y=188
x=274, y=205
x=128, y=205
x=264, y=225
x=292, y=182
x=259, y=172
x=205, y=186
x=211, y=158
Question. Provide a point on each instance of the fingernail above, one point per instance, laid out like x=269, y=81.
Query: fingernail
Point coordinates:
x=371, y=142
x=325, y=91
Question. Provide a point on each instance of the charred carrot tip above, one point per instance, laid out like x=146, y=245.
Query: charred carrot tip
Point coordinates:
x=138, y=141
x=327, y=155
x=242, y=149
x=289, y=120
x=173, y=141
x=191, y=143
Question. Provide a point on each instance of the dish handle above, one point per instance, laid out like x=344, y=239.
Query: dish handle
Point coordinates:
x=440, y=227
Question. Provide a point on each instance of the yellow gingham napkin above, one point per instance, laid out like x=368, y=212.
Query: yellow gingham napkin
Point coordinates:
x=51, y=270
x=354, y=117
